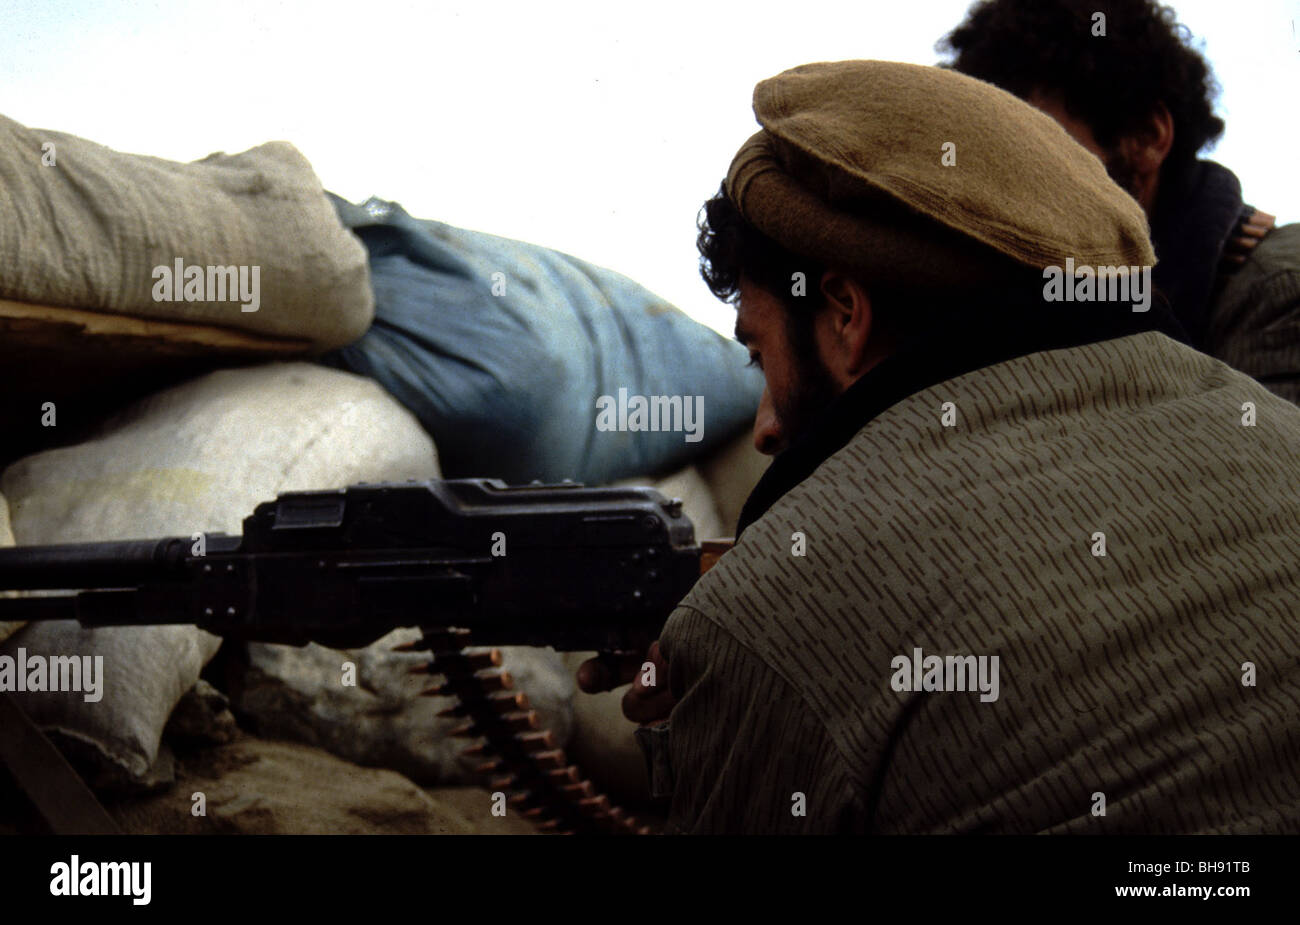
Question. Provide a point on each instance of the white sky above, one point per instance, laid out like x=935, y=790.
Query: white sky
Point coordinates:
x=597, y=128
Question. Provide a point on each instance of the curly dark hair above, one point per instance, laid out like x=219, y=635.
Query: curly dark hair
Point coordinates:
x=731, y=247
x=1113, y=83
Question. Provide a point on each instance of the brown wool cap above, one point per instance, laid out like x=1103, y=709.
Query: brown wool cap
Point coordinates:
x=848, y=170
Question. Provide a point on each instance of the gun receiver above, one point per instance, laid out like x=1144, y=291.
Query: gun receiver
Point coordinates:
x=566, y=566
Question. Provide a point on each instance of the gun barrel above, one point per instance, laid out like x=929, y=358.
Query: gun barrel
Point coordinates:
x=91, y=565
x=562, y=565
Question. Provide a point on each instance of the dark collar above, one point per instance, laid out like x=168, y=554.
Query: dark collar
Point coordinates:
x=1195, y=213
x=972, y=335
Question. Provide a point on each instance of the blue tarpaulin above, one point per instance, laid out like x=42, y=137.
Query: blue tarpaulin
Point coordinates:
x=503, y=351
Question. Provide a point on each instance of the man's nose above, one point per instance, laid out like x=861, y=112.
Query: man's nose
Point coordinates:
x=767, y=428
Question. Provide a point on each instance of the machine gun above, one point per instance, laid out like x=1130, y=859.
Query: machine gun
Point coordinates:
x=566, y=566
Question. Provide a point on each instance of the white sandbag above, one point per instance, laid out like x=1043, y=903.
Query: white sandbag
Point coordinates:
x=84, y=226
x=379, y=719
x=195, y=458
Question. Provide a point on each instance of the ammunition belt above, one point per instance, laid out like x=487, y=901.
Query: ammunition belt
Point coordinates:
x=522, y=759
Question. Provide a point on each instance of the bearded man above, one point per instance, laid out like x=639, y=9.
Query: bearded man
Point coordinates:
x=1021, y=564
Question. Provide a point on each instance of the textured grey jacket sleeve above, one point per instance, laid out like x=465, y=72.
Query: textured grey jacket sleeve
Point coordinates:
x=744, y=754
x=1255, y=321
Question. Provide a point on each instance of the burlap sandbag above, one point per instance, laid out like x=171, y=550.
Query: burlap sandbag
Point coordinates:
x=197, y=457
x=84, y=226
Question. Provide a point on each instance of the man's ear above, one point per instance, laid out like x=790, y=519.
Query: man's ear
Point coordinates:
x=845, y=326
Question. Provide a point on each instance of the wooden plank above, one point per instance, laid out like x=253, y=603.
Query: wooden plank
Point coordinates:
x=56, y=790
x=71, y=329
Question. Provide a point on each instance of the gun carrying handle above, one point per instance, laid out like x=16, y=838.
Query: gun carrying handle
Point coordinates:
x=711, y=551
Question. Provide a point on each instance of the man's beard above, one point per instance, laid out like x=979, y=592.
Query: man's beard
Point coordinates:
x=813, y=389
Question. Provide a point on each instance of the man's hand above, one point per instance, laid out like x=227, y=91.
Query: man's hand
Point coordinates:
x=649, y=700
